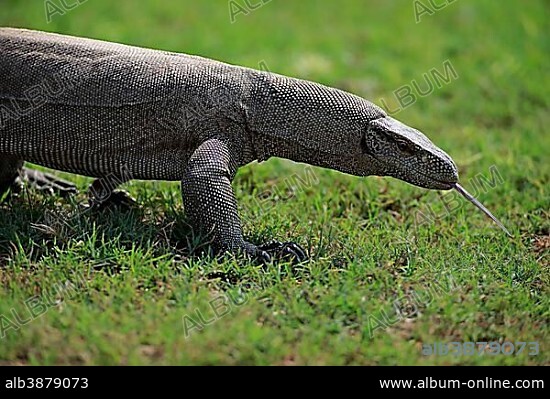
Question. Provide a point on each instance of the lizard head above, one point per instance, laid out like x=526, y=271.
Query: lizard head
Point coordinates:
x=405, y=153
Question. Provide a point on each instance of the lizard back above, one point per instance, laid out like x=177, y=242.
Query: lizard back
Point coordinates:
x=87, y=106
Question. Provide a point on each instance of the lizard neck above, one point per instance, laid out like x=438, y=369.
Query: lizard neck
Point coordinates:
x=293, y=149
x=307, y=122
x=269, y=146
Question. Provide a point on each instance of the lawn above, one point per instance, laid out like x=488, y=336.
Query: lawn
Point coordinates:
x=393, y=268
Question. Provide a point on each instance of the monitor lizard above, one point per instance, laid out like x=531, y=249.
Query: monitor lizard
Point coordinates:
x=117, y=112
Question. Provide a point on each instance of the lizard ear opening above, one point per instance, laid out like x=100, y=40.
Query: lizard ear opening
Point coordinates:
x=375, y=140
x=372, y=143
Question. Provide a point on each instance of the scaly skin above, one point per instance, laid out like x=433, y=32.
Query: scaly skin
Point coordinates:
x=118, y=112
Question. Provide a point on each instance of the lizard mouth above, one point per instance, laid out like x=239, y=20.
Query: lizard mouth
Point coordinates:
x=435, y=184
x=445, y=185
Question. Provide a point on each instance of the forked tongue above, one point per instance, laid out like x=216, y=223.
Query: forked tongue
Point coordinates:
x=474, y=201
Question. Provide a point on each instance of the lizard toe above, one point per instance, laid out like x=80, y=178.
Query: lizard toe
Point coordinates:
x=263, y=257
x=297, y=251
x=257, y=254
x=288, y=251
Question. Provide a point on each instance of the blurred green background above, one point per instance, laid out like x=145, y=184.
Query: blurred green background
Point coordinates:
x=367, y=251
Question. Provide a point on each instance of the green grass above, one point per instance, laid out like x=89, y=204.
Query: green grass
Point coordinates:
x=141, y=272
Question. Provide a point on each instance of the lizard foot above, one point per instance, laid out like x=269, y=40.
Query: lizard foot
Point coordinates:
x=48, y=183
x=117, y=199
x=12, y=188
x=286, y=251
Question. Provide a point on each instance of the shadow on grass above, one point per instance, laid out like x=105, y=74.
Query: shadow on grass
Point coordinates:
x=38, y=226
x=34, y=226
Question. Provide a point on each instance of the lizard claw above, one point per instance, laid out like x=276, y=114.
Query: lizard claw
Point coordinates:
x=283, y=250
x=263, y=257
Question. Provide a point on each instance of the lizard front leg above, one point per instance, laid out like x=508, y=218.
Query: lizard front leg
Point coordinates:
x=211, y=205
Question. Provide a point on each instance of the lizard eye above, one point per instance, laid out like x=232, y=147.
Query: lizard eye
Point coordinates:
x=405, y=147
